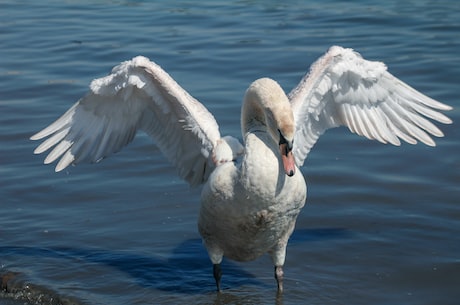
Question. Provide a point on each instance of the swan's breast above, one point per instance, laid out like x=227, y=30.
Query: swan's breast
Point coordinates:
x=248, y=207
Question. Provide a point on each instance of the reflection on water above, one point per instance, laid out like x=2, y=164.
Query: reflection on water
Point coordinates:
x=182, y=271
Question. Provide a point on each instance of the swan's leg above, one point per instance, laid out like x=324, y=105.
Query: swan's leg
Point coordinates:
x=278, y=254
x=216, y=254
x=279, y=275
x=217, y=271
x=278, y=257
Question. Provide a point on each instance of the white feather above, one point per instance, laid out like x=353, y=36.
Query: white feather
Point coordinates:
x=343, y=89
x=137, y=95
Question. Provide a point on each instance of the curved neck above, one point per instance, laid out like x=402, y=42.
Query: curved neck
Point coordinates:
x=252, y=115
x=267, y=108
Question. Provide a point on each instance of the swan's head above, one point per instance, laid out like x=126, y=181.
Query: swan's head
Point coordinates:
x=287, y=157
x=266, y=104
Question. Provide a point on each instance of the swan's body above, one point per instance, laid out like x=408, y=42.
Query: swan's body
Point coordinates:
x=243, y=215
x=251, y=195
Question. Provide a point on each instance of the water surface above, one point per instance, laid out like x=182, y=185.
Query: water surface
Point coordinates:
x=381, y=224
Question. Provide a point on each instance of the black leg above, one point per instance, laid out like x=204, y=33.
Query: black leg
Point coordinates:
x=279, y=274
x=217, y=275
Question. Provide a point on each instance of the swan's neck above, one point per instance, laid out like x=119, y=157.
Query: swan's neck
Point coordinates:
x=252, y=116
x=266, y=121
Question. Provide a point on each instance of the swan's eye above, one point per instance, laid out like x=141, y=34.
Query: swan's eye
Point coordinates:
x=289, y=144
x=282, y=138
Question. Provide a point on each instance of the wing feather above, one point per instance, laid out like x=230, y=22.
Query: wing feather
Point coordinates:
x=136, y=95
x=343, y=89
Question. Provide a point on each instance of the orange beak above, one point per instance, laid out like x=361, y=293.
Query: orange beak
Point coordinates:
x=288, y=159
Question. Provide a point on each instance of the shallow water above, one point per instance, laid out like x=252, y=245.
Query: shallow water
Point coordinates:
x=381, y=224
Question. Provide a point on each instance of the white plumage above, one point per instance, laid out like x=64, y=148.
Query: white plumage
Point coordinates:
x=343, y=89
x=251, y=196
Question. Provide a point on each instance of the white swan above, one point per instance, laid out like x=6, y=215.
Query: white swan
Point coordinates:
x=251, y=196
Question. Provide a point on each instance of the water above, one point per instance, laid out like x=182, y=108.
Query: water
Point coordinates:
x=381, y=224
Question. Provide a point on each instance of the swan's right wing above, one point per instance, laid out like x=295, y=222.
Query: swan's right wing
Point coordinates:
x=343, y=89
x=137, y=95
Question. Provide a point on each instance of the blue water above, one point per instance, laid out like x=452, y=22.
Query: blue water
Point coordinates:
x=381, y=224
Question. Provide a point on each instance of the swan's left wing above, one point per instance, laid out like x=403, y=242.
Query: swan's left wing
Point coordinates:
x=343, y=89
x=137, y=95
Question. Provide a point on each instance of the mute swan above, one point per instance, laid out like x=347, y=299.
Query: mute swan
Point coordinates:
x=251, y=195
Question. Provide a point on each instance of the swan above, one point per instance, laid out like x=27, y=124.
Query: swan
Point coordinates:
x=252, y=193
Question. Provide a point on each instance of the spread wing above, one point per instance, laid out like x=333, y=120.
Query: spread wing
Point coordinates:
x=137, y=95
x=343, y=89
